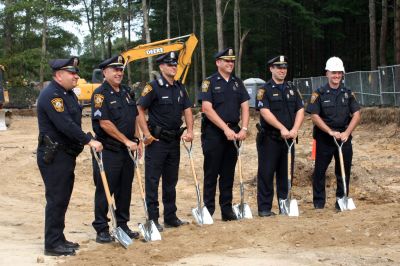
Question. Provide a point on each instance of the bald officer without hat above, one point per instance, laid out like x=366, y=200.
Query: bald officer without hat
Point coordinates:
x=114, y=121
x=61, y=139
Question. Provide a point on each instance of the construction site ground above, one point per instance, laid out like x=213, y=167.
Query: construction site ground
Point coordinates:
x=368, y=235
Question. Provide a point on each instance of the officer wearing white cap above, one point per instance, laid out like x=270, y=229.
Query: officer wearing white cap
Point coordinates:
x=114, y=121
x=224, y=103
x=281, y=115
x=61, y=140
x=335, y=112
x=165, y=100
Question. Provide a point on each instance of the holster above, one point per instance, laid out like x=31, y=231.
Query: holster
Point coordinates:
x=166, y=135
x=50, y=148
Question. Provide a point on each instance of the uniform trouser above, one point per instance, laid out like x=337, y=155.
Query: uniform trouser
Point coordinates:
x=326, y=149
x=162, y=159
x=220, y=158
x=58, y=178
x=119, y=169
x=272, y=159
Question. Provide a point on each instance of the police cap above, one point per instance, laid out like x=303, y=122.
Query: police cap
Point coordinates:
x=280, y=60
x=117, y=61
x=226, y=54
x=168, y=58
x=70, y=64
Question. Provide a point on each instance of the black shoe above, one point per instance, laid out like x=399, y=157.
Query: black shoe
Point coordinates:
x=131, y=234
x=266, y=213
x=174, y=223
x=337, y=207
x=159, y=226
x=104, y=237
x=228, y=216
x=60, y=250
x=70, y=244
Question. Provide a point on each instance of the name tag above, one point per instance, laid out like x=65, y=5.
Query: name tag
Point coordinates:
x=113, y=102
x=327, y=101
x=275, y=94
x=165, y=97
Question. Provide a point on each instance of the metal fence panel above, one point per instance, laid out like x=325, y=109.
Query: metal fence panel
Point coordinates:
x=372, y=88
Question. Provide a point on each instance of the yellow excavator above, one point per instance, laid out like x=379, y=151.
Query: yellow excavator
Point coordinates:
x=185, y=45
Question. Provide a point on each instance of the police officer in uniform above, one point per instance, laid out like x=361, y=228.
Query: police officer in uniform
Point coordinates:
x=114, y=121
x=165, y=100
x=224, y=103
x=281, y=115
x=335, y=113
x=61, y=139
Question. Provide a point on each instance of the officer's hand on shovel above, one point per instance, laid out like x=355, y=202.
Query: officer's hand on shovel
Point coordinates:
x=230, y=134
x=96, y=145
x=188, y=136
x=344, y=136
x=285, y=134
x=131, y=145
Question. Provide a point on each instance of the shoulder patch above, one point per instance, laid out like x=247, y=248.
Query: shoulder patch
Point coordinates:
x=58, y=104
x=205, y=85
x=98, y=100
x=146, y=89
x=314, y=97
x=260, y=94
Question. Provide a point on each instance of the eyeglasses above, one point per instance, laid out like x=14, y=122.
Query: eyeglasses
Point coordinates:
x=172, y=65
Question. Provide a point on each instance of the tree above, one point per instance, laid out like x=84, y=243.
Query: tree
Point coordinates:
x=168, y=19
x=383, y=37
x=147, y=32
x=220, y=33
x=44, y=39
x=202, y=48
x=372, y=34
x=397, y=31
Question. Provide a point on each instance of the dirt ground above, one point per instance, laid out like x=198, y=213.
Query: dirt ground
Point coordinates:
x=365, y=236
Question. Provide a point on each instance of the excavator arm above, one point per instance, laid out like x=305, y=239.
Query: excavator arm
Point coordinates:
x=185, y=45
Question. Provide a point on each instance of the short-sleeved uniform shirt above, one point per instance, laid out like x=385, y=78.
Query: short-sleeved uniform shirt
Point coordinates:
x=225, y=96
x=334, y=106
x=283, y=100
x=118, y=107
x=59, y=115
x=165, y=103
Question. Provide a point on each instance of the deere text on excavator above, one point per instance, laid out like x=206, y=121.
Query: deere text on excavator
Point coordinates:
x=185, y=45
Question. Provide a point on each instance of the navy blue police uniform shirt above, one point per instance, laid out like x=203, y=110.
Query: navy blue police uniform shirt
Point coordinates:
x=165, y=103
x=283, y=102
x=225, y=96
x=335, y=107
x=59, y=115
x=118, y=107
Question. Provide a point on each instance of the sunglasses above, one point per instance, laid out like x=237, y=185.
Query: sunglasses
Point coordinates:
x=172, y=65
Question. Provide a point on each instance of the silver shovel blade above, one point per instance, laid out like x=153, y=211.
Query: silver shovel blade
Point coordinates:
x=242, y=212
x=288, y=207
x=293, y=208
x=202, y=217
x=284, y=206
x=122, y=237
x=149, y=231
x=346, y=204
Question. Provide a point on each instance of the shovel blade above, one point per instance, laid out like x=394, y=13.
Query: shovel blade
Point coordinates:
x=293, y=208
x=122, y=237
x=149, y=231
x=242, y=212
x=289, y=207
x=346, y=204
x=203, y=216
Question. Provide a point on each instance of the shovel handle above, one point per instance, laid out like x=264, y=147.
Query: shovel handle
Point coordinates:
x=289, y=145
x=341, y=165
x=134, y=157
x=238, y=146
x=98, y=157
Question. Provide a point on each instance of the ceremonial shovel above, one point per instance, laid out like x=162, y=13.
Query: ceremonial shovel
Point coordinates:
x=116, y=232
